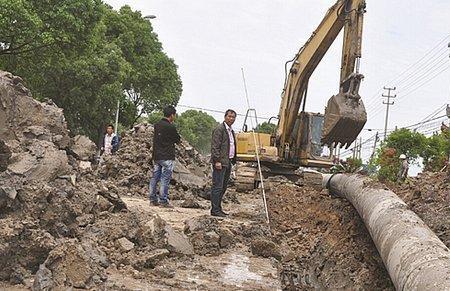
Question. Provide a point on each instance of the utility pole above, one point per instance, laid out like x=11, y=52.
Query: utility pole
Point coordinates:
x=374, y=146
x=117, y=116
x=388, y=104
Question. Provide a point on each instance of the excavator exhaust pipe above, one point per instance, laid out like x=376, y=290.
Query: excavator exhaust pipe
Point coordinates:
x=345, y=114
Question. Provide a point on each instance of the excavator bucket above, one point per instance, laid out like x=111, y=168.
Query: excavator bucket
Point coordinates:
x=345, y=117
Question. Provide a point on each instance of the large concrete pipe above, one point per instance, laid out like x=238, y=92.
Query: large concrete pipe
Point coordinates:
x=413, y=255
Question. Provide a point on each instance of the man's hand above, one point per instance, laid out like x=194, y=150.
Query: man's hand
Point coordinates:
x=218, y=165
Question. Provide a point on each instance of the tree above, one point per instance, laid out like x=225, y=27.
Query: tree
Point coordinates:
x=436, y=151
x=407, y=142
x=152, y=82
x=75, y=52
x=34, y=25
x=196, y=127
x=265, y=127
x=154, y=117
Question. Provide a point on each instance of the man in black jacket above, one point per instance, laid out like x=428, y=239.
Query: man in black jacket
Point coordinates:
x=223, y=156
x=164, y=140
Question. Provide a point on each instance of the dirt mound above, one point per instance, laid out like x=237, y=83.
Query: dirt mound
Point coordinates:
x=132, y=166
x=63, y=223
x=428, y=195
x=324, y=244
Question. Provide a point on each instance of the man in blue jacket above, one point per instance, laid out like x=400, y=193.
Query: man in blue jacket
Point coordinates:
x=164, y=140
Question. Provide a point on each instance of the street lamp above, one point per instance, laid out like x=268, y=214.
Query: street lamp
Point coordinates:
x=148, y=17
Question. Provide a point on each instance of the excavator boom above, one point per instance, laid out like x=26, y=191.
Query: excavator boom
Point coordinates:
x=345, y=114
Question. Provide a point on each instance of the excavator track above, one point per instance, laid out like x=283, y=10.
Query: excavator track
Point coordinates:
x=246, y=177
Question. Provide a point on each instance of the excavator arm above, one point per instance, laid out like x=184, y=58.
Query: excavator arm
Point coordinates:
x=345, y=114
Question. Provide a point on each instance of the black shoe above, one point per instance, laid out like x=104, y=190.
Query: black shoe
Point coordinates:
x=224, y=213
x=219, y=214
x=154, y=203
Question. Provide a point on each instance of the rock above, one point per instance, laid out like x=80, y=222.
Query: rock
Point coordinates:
x=125, y=245
x=185, y=178
x=199, y=223
x=42, y=162
x=83, y=148
x=43, y=280
x=103, y=204
x=62, y=142
x=5, y=155
x=152, y=258
x=19, y=110
x=177, y=242
x=85, y=165
x=164, y=272
x=155, y=227
x=37, y=132
x=226, y=237
x=9, y=192
x=113, y=198
x=190, y=203
x=71, y=265
x=265, y=248
x=85, y=219
x=212, y=237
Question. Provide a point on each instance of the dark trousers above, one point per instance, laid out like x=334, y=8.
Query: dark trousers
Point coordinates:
x=220, y=183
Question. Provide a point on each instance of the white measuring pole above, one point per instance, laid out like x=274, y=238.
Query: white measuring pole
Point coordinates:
x=257, y=147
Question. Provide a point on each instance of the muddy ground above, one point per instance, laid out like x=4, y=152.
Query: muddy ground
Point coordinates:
x=328, y=244
x=428, y=195
x=67, y=223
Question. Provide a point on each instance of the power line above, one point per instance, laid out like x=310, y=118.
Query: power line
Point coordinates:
x=373, y=106
x=216, y=111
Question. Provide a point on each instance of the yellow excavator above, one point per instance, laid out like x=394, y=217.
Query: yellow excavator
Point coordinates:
x=302, y=138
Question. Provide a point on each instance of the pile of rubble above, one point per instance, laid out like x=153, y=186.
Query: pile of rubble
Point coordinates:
x=131, y=167
x=61, y=224
x=428, y=195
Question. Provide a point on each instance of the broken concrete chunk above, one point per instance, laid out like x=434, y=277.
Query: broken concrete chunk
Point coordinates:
x=83, y=148
x=43, y=280
x=177, y=242
x=9, y=192
x=125, y=245
x=42, y=162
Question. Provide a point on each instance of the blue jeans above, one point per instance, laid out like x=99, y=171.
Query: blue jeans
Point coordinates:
x=162, y=173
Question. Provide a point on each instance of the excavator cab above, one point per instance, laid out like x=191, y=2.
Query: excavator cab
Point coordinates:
x=311, y=152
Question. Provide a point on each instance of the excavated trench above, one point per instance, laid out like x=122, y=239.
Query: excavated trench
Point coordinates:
x=326, y=244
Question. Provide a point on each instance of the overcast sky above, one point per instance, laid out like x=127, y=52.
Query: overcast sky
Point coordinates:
x=210, y=40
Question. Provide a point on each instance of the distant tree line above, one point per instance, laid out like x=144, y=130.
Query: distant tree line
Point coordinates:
x=434, y=151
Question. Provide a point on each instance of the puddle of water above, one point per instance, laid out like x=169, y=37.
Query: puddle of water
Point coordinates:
x=238, y=271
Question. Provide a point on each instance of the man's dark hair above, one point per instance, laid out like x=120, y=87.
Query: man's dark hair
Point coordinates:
x=168, y=111
x=230, y=111
x=110, y=125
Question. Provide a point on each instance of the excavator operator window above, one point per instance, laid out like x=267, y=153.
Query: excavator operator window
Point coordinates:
x=317, y=149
